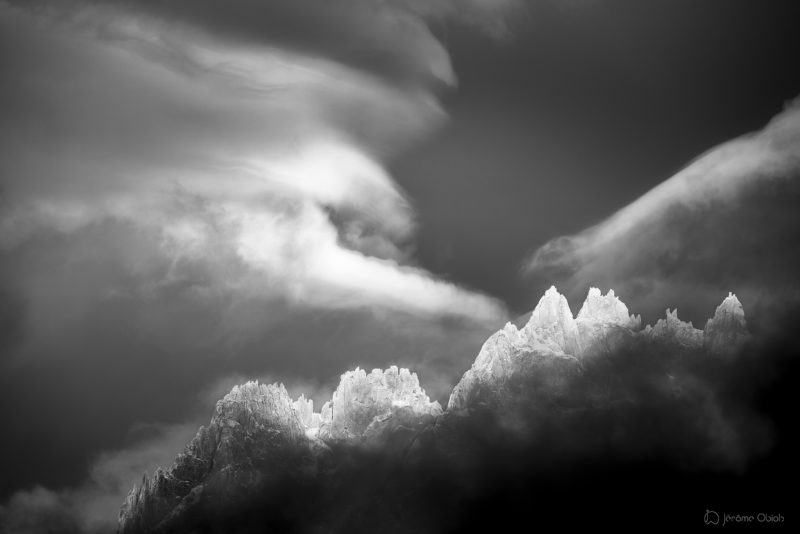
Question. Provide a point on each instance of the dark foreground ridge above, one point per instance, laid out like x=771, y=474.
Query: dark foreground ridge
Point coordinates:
x=584, y=420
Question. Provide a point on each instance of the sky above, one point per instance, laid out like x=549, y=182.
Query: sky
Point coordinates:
x=196, y=193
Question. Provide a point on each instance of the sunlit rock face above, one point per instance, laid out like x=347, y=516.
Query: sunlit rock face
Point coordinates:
x=259, y=436
x=508, y=355
x=551, y=347
x=548, y=349
x=310, y=419
x=604, y=322
x=552, y=324
x=727, y=330
x=673, y=330
x=258, y=433
x=363, y=399
x=255, y=432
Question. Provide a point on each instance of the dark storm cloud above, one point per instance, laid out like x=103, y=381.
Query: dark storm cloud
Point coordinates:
x=194, y=194
x=588, y=107
x=727, y=222
x=191, y=196
x=391, y=39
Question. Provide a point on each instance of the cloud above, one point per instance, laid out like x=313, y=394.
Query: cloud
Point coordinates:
x=727, y=221
x=92, y=506
x=103, y=330
x=284, y=148
x=191, y=191
x=392, y=40
x=39, y=510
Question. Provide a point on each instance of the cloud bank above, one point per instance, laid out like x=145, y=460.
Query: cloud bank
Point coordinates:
x=728, y=220
x=282, y=150
x=191, y=191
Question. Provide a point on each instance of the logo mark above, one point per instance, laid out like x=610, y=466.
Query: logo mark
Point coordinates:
x=711, y=518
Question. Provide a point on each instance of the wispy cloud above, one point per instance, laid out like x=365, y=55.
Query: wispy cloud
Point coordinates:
x=193, y=190
x=727, y=221
x=285, y=146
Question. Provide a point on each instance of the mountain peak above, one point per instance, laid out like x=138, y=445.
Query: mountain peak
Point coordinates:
x=607, y=309
x=552, y=291
x=362, y=397
x=728, y=328
x=258, y=428
x=603, y=323
x=672, y=329
x=254, y=402
x=730, y=305
x=603, y=317
x=552, y=322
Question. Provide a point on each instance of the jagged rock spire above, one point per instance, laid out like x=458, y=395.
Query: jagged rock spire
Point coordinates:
x=606, y=309
x=258, y=429
x=674, y=330
x=361, y=397
x=552, y=322
x=310, y=419
x=601, y=319
x=602, y=324
x=727, y=330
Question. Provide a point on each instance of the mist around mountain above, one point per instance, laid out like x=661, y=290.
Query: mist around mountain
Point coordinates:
x=585, y=420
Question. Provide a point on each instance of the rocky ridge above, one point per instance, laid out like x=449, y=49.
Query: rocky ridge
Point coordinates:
x=728, y=328
x=253, y=426
x=555, y=342
x=257, y=431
